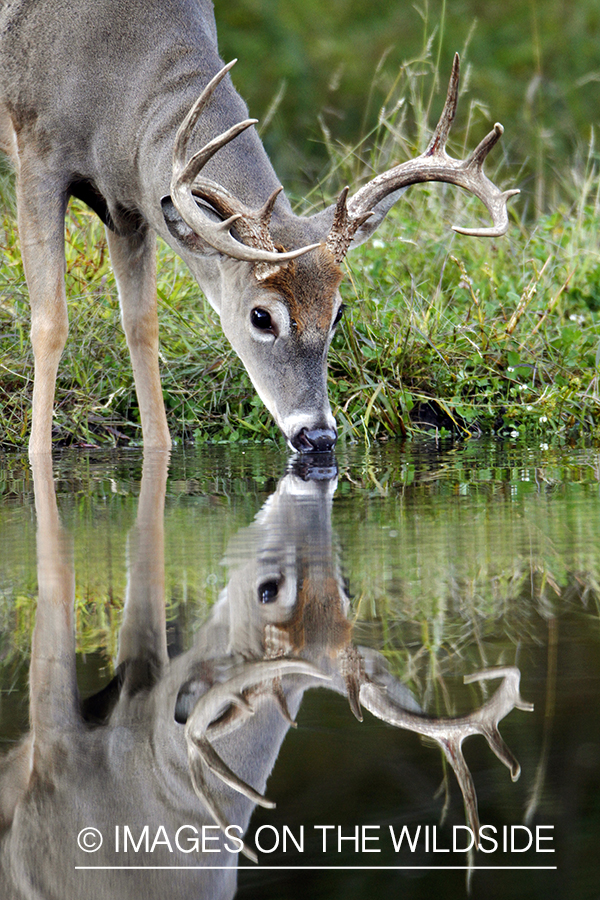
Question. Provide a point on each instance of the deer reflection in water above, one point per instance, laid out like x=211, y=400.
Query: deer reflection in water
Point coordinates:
x=175, y=745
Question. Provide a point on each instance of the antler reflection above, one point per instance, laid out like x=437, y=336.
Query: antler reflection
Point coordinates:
x=223, y=709
x=450, y=732
x=289, y=547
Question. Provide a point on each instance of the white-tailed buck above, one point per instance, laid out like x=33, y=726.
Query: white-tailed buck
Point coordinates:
x=126, y=105
x=172, y=746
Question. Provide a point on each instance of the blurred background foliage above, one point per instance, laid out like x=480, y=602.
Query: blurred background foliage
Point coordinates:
x=310, y=70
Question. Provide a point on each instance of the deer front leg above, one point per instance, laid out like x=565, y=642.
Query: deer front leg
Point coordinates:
x=54, y=708
x=143, y=637
x=40, y=220
x=54, y=696
x=134, y=263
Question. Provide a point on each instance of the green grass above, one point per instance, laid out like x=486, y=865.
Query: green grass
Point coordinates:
x=496, y=337
x=471, y=335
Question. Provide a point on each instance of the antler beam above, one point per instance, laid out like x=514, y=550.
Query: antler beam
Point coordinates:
x=223, y=709
x=252, y=225
x=450, y=732
x=434, y=164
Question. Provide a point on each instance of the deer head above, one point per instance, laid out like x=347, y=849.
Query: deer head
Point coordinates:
x=276, y=284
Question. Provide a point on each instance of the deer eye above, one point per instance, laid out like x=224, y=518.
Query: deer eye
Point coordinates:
x=339, y=315
x=268, y=590
x=261, y=319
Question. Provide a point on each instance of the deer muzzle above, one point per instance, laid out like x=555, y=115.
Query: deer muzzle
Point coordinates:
x=314, y=440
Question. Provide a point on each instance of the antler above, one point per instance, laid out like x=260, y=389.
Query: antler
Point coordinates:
x=223, y=709
x=226, y=706
x=432, y=165
x=252, y=225
x=450, y=733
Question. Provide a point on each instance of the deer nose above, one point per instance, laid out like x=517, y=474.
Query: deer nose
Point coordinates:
x=314, y=440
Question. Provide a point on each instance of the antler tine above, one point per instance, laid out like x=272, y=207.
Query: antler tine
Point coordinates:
x=442, y=129
x=344, y=227
x=450, y=732
x=190, y=170
x=352, y=670
x=451, y=744
x=222, y=710
x=266, y=211
x=434, y=164
x=198, y=752
x=184, y=132
x=488, y=193
x=476, y=159
x=185, y=183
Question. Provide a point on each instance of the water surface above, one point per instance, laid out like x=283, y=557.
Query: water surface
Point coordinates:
x=394, y=572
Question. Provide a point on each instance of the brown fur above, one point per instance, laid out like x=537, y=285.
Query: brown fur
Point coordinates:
x=319, y=618
x=308, y=287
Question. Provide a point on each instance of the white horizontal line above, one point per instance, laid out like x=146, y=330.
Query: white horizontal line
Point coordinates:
x=329, y=868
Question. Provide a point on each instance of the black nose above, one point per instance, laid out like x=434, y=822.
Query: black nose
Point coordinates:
x=314, y=440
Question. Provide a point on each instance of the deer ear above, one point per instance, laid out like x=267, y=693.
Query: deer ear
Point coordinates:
x=185, y=236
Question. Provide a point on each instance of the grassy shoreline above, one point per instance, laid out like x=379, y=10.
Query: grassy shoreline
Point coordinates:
x=441, y=331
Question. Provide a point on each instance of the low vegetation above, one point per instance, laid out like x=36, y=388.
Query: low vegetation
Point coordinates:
x=441, y=331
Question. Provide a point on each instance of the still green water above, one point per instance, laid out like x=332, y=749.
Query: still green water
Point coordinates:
x=394, y=571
